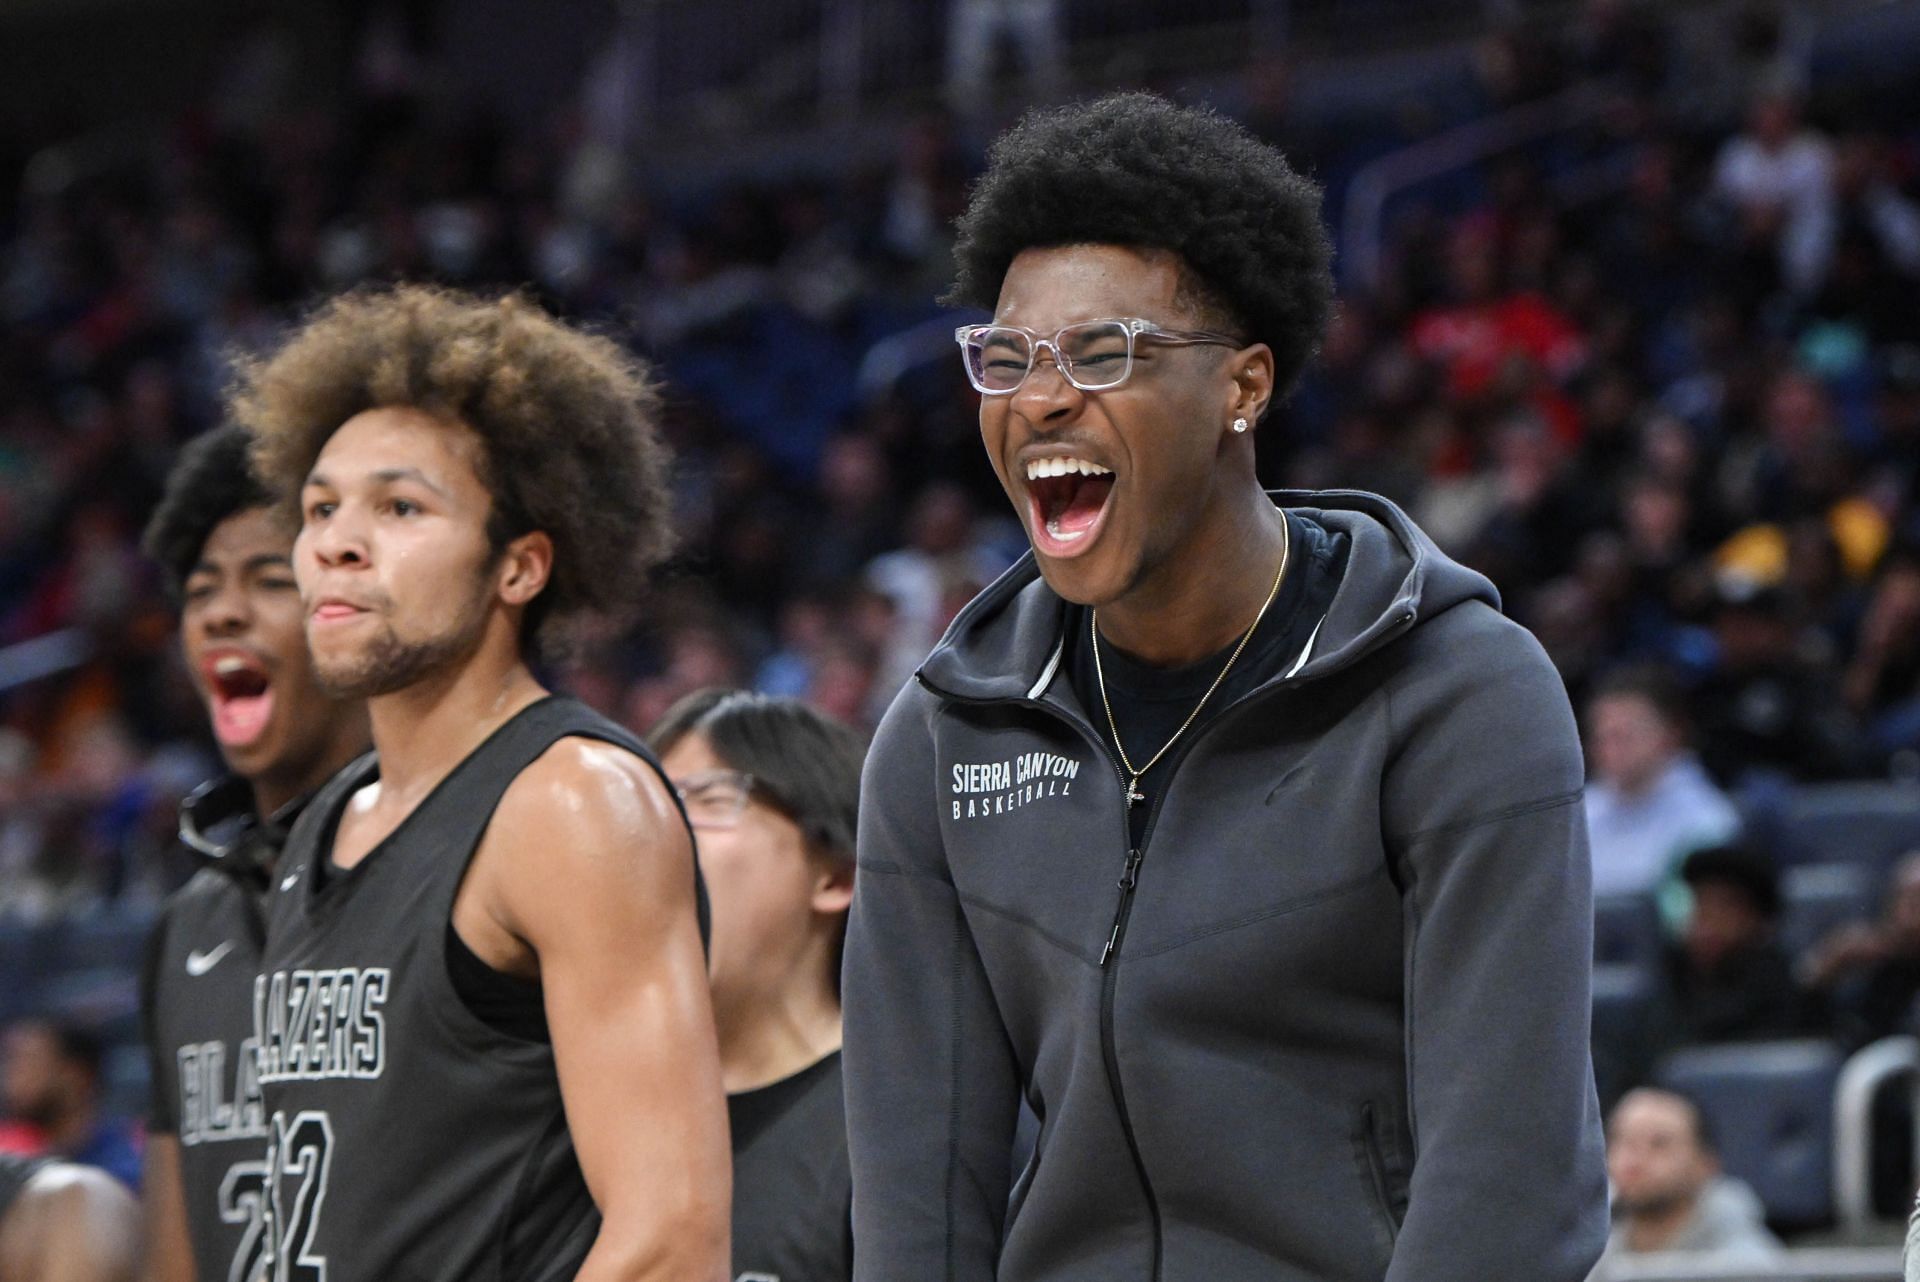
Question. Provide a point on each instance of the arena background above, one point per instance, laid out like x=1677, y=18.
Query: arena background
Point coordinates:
x=1678, y=422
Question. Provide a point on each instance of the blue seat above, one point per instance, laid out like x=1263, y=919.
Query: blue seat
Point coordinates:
x=1771, y=1106
x=1817, y=899
x=1626, y=931
x=115, y=939
x=1865, y=823
x=1623, y=997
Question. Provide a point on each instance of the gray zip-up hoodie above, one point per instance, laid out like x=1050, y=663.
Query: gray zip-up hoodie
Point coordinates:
x=1329, y=1022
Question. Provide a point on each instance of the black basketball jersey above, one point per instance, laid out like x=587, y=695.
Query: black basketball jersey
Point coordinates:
x=792, y=1185
x=411, y=1141
x=197, y=1003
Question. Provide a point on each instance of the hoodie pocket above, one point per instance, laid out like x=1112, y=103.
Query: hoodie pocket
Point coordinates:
x=1376, y=1149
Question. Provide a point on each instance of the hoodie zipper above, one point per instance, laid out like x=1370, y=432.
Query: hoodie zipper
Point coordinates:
x=1129, y=881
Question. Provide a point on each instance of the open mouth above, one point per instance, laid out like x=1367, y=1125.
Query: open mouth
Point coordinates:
x=242, y=696
x=1067, y=498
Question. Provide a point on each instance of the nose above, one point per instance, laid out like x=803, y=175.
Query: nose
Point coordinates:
x=1045, y=397
x=227, y=612
x=336, y=540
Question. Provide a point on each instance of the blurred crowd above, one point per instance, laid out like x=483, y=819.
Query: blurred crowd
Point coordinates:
x=1657, y=375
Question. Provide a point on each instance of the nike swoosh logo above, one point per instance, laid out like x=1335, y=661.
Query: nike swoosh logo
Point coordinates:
x=199, y=963
x=291, y=879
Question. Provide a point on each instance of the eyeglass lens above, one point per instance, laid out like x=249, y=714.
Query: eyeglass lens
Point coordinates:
x=1092, y=355
x=714, y=802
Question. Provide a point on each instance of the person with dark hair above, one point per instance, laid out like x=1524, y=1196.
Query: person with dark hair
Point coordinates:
x=227, y=554
x=52, y=1082
x=1670, y=1197
x=1236, y=833
x=1649, y=801
x=772, y=788
x=1731, y=980
x=486, y=1046
x=62, y=1222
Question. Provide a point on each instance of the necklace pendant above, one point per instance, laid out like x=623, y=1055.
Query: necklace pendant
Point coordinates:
x=1134, y=795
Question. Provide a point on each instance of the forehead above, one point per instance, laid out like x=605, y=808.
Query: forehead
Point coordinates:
x=1651, y=1117
x=396, y=437
x=1047, y=288
x=247, y=534
x=691, y=755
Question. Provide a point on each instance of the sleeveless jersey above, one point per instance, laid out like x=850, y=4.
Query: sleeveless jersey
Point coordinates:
x=410, y=1140
x=197, y=1005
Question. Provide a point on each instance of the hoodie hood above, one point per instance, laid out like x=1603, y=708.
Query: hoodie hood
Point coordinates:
x=1005, y=643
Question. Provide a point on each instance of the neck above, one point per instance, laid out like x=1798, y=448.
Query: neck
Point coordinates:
x=768, y=1037
x=273, y=792
x=424, y=730
x=1654, y=1230
x=1203, y=598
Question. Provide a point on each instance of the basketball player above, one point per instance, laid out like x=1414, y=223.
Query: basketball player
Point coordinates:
x=1238, y=833
x=61, y=1222
x=773, y=791
x=483, y=1011
x=227, y=554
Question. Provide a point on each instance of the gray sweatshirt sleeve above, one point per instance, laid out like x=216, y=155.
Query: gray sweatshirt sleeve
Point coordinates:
x=1483, y=812
x=930, y=1079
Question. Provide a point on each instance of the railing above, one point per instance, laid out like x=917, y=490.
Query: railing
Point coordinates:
x=43, y=656
x=1870, y=1069
x=1378, y=183
x=1824, y=1264
x=726, y=63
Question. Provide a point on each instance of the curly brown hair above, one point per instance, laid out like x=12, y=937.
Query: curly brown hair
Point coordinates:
x=567, y=419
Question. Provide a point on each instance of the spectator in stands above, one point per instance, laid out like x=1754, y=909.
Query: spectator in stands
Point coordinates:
x=1779, y=178
x=1730, y=978
x=772, y=789
x=1765, y=707
x=52, y=1081
x=1669, y=1196
x=1648, y=799
x=60, y=1222
x=1872, y=969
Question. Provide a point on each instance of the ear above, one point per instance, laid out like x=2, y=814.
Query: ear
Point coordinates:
x=1251, y=369
x=525, y=566
x=832, y=889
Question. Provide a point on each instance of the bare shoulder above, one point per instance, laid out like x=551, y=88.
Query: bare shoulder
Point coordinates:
x=583, y=798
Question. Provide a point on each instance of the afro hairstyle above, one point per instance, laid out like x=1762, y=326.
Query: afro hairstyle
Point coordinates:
x=212, y=481
x=1135, y=169
x=567, y=421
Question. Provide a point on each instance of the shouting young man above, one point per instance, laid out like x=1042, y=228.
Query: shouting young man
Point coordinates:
x=227, y=553
x=486, y=1043
x=1237, y=833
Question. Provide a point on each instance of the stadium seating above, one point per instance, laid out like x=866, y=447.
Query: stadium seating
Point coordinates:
x=1770, y=1107
x=1626, y=931
x=1866, y=823
x=1819, y=898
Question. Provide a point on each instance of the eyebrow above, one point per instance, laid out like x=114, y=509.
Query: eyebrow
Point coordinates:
x=259, y=561
x=385, y=476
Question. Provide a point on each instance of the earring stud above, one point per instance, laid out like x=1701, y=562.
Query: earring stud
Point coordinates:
x=1240, y=425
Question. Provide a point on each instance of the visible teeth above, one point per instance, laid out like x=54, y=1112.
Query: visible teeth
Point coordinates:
x=229, y=665
x=1064, y=536
x=1039, y=467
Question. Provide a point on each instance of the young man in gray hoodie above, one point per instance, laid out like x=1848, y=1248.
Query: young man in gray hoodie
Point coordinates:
x=1237, y=833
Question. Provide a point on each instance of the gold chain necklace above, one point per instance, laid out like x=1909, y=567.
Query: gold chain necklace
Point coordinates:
x=1134, y=795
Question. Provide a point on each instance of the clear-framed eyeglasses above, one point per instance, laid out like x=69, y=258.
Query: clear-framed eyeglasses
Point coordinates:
x=715, y=798
x=1093, y=355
